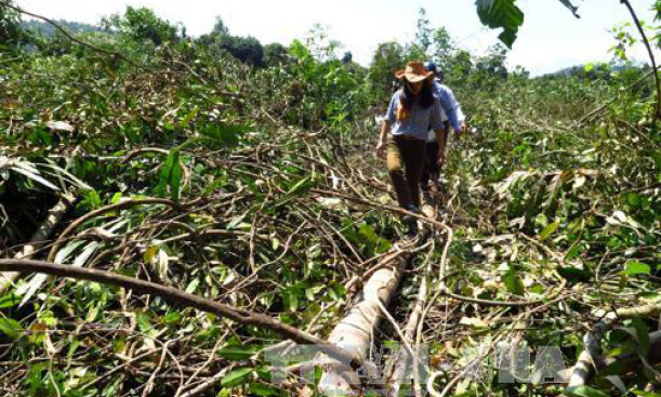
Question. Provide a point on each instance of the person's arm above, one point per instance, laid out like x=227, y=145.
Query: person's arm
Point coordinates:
x=388, y=120
x=441, y=139
x=446, y=97
x=385, y=129
x=436, y=123
x=461, y=117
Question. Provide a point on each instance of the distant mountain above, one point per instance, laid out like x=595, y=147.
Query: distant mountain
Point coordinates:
x=49, y=30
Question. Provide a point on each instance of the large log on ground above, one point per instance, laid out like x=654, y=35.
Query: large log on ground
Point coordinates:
x=403, y=359
x=354, y=332
x=39, y=238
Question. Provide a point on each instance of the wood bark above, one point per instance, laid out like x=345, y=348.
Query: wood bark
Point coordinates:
x=354, y=332
x=590, y=359
x=39, y=238
x=178, y=297
x=403, y=360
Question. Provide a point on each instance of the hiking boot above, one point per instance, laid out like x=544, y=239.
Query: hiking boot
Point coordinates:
x=408, y=219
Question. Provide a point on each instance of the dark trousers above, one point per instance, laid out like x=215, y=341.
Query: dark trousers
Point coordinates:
x=431, y=169
x=405, y=160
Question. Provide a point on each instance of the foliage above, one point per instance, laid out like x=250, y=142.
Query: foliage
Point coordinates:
x=47, y=30
x=141, y=25
x=262, y=164
x=501, y=14
x=245, y=49
x=11, y=33
x=388, y=58
x=275, y=53
x=506, y=15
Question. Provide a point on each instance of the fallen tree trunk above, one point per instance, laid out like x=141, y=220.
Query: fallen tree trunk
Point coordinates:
x=39, y=238
x=175, y=296
x=354, y=332
x=403, y=359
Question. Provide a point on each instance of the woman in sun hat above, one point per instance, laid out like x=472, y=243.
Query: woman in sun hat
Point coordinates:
x=413, y=111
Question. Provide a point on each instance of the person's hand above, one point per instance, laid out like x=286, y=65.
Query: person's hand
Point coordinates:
x=440, y=158
x=380, y=149
x=462, y=128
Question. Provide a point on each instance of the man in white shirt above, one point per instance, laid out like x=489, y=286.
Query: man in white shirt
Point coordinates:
x=452, y=117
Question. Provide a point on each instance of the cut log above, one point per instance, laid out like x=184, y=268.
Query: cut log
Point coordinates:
x=354, y=332
x=403, y=359
x=39, y=238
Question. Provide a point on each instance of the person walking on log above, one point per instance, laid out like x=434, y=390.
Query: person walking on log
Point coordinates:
x=452, y=116
x=412, y=112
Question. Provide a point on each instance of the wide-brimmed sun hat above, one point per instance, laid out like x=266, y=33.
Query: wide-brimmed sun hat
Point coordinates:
x=414, y=72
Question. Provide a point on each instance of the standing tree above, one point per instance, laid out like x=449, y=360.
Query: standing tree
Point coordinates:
x=141, y=25
x=246, y=49
x=275, y=53
x=423, y=35
x=443, y=48
x=11, y=33
x=387, y=59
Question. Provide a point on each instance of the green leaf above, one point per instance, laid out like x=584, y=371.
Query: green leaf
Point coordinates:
x=172, y=318
x=33, y=174
x=184, y=123
x=574, y=274
x=635, y=268
x=514, y=283
x=501, y=14
x=368, y=233
x=505, y=14
x=143, y=322
x=238, y=377
x=586, y=391
x=641, y=393
x=300, y=188
x=291, y=299
x=260, y=389
x=163, y=178
x=548, y=230
x=175, y=175
x=218, y=135
x=236, y=353
x=9, y=300
x=614, y=369
x=642, y=335
x=170, y=176
x=10, y=327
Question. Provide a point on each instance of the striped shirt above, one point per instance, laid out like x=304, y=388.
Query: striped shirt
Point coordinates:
x=455, y=105
x=448, y=103
x=419, y=122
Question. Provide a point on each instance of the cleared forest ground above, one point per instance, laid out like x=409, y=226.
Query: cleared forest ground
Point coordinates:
x=258, y=189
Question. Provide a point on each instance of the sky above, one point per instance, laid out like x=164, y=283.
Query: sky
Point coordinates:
x=550, y=39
